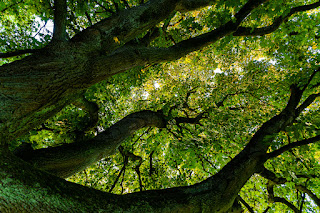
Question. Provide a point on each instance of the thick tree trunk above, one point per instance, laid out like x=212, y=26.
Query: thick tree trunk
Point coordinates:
x=26, y=189
x=35, y=88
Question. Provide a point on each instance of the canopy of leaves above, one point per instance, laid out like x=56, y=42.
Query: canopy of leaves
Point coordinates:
x=236, y=84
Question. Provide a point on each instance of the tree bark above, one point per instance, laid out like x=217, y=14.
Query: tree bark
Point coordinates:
x=216, y=194
x=38, y=86
x=24, y=188
x=68, y=159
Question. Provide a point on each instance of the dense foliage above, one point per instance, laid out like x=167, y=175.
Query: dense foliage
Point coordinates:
x=230, y=88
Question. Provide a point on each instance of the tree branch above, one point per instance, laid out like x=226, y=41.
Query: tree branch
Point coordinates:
x=89, y=18
x=67, y=159
x=208, y=193
x=60, y=18
x=266, y=133
x=134, y=157
x=266, y=210
x=100, y=38
x=250, y=160
x=293, y=145
x=198, y=42
x=274, y=199
x=104, y=8
x=142, y=56
x=272, y=177
x=18, y=52
x=287, y=203
x=310, y=193
x=248, y=31
x=309, y=100
x=311, y=78
x=125, y=163
x=245, y=204
x=195, y=120
x=273, y=180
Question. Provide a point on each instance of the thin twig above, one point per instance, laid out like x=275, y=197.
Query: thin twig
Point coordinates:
x=250, y=209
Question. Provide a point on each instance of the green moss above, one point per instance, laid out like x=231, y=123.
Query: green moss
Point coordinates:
x=16, y=194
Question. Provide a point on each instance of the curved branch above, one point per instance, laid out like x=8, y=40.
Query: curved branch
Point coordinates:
x=273, y=180
x=311, y=78
x=134, y=157
x=127, y=24
x=195, y=120
x=215, y=194
x=307, y=102
x=142, y=56
x=287, y=203
x=272, y=177
x=129, y=57
x=245, y=204
x=68, y=159
x=293, y=145
x=122, y=27
x=125, y=163
x=266, y=210
x=248, y=31
x=274, y=199
x=310, y=193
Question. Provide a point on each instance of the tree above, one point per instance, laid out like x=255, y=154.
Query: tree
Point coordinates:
x=227, y=90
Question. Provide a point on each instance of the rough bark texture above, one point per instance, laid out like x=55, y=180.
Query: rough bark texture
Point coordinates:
x=216, y=194
x=25, y=189
x=68, y=159
x=38, y=86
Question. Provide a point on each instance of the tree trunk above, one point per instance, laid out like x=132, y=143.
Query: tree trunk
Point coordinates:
x=25, y=189
x=38, y=86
